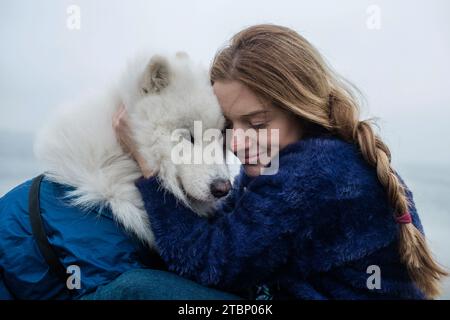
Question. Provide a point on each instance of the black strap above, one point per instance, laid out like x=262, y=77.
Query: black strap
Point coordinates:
x=37, y=227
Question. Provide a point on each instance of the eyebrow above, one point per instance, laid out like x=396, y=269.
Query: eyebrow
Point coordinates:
x=254, y=113
x=250, y=114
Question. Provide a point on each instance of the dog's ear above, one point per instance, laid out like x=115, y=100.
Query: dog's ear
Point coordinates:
x=182, y=55
x=156, y=75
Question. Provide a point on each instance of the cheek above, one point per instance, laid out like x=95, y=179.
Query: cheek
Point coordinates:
x=284, y=137
x=265, y=140
x=271, y=136
x=280, y=134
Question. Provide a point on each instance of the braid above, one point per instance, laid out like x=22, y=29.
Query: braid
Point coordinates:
x=414, y=252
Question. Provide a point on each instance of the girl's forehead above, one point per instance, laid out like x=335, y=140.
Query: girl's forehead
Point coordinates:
x=236, y=99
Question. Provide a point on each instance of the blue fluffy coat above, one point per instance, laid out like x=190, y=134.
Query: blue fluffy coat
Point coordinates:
x=311, y=230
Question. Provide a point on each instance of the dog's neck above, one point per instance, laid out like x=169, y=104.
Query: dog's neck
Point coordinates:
x=79, y=149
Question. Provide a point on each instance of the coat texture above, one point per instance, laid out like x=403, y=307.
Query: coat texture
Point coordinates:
x=89, y=239
x=311, y=231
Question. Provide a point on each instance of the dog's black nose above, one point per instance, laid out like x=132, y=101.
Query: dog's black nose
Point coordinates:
x=220, y=188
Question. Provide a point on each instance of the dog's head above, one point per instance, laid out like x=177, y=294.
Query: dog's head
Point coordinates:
x=167, y=97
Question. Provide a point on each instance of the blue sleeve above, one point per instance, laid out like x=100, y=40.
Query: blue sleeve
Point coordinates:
x=4, y=292
x=233, y=250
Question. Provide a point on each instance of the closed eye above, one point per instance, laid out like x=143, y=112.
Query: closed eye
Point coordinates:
x=259, y=125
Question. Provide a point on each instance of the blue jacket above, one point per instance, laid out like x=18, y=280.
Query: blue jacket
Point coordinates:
x=91, y=240
x=311, y=231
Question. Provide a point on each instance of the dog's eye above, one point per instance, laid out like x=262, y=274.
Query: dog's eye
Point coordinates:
x=144, y=90
x=192, y=139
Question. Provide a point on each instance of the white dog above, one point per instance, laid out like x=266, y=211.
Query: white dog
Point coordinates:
x=161, y=94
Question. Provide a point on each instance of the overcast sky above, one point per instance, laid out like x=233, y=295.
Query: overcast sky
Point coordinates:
x=402, y=67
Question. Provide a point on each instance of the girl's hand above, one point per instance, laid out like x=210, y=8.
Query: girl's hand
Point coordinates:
x=124, y=137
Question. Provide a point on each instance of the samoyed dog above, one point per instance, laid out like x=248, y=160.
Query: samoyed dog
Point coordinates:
x=162, y=94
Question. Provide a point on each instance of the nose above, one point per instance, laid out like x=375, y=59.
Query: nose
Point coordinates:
x=240, y=141
x=220, y=188
x=242, y=145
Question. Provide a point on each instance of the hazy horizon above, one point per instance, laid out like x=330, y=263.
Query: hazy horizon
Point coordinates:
x=401, y=68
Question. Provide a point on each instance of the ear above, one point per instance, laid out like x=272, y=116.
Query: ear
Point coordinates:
x=182, y=55
x=156, y=75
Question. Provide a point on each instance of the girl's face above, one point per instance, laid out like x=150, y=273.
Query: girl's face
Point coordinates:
x=244, y=110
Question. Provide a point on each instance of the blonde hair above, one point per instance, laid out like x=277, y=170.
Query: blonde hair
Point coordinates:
x=281, y=66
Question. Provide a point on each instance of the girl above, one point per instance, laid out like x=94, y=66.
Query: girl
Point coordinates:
x=335, y=221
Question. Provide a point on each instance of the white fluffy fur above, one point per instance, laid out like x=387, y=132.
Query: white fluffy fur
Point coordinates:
x=79, y=147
